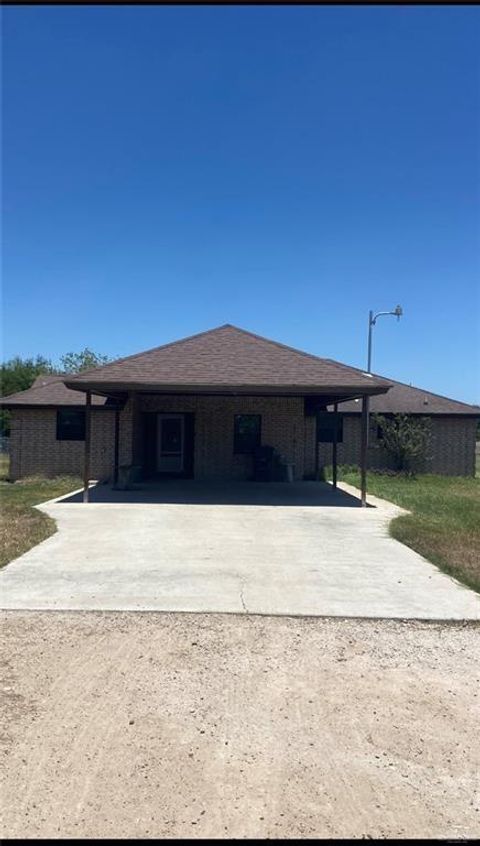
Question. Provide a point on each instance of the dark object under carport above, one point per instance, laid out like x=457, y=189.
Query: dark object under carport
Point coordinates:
x=263, y=460
x=264, y=464
x=268, y=466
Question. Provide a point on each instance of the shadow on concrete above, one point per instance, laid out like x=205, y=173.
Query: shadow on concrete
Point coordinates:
x=192, y=492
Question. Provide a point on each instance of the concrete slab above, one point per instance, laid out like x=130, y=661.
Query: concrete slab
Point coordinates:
x=202, y=548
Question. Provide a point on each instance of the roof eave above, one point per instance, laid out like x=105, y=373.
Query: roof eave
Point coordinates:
x=475, y=415
x=350, y=391
x=40, y=406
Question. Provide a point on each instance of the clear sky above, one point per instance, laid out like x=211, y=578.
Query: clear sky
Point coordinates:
x=285, y=169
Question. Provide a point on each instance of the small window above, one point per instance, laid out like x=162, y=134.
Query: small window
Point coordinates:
x=247, y=435
x=326, y=427
x=70, y=424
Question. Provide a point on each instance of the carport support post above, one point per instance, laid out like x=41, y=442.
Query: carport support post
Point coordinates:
x=136, y=434
x=116, y=447
x=334, y=446
x=364, y=450
x=86, y=462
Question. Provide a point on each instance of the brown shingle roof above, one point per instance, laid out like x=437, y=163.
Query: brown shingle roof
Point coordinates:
x=228, y=358
x=405, y=399
x=50, y=390
x=45, y=378
x=47, y=390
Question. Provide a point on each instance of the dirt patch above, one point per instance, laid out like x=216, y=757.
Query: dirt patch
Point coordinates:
x=188, y=725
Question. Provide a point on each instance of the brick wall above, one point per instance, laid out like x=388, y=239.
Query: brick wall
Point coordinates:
x=283, y=427
x=453, y=446
x=34, y=448
x=451, y=450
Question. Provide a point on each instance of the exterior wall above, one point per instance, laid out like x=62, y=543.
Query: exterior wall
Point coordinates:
x=451, y=452
x=283, y=427
x=34, y=448
x=453, y=446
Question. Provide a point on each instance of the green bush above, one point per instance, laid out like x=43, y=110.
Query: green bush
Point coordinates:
x=405, y=439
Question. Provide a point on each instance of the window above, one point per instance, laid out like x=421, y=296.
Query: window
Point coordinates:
x=70, y=424
x=246, y=434
x=326, y=427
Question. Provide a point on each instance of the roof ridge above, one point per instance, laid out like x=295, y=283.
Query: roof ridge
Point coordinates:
x=151, y=350
x=426, y=391
x=96, y=371
x=51, y=376
x=274, y=343
x=33, y=387
x=278, y=344
x=301, y=352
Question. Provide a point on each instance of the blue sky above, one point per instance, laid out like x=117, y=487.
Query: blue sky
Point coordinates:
x=285, y=169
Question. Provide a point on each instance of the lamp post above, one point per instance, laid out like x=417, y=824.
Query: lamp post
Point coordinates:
x=372, y=319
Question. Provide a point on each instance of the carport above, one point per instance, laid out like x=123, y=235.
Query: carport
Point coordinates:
x=198, y=408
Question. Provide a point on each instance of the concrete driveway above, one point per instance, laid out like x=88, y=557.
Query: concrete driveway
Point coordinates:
x=301, y=549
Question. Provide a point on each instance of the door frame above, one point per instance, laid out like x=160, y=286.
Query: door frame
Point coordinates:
x=150, y=445
x=167, y=415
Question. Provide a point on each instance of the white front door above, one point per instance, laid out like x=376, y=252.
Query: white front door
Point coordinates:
x=170, y=443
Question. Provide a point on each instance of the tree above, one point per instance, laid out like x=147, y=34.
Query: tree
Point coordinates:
x=84, y=360
x=406, y=440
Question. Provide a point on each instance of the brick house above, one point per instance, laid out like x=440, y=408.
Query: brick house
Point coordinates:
x=200, y=406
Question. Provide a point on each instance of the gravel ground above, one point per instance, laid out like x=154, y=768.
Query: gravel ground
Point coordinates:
x=190, y=725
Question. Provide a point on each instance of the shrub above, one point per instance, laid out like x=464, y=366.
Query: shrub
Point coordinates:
x=406, y=440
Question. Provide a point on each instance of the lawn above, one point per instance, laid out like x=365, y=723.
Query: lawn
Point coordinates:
x=4, y=465
x=444, y=525
x=21, y=525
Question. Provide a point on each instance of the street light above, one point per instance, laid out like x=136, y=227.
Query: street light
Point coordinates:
x=372, y=319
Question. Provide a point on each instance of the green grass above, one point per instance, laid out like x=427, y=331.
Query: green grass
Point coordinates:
x=21, y=525
x=4, y=466
x=444, y=525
